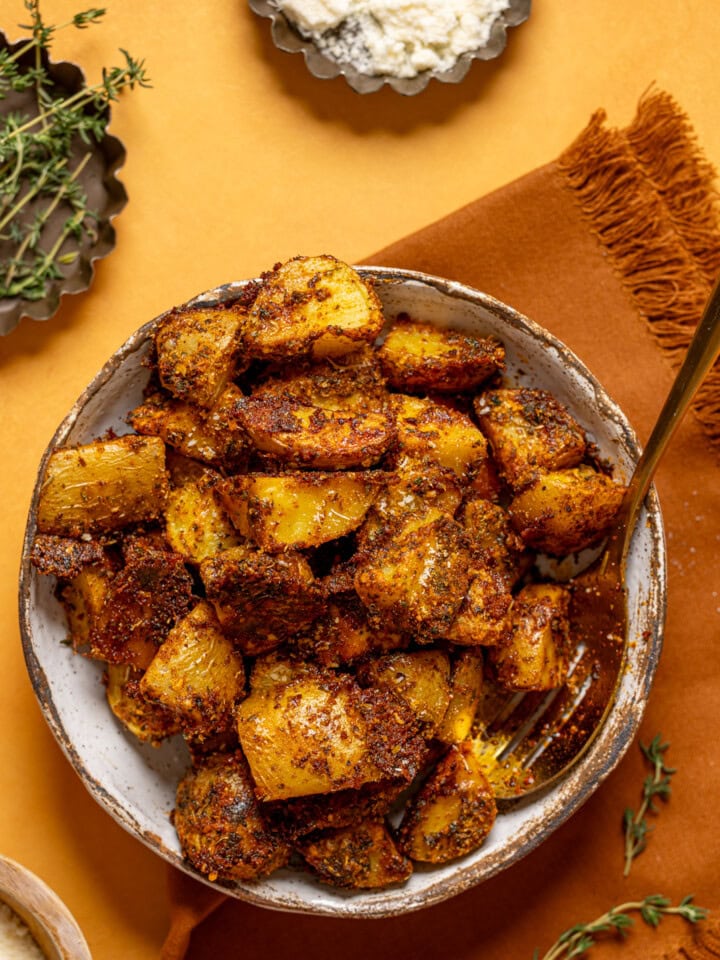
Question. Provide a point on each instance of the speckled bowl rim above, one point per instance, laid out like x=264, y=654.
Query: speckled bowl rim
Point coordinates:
x=559, y=802
x=286, y=37
x=13, y=310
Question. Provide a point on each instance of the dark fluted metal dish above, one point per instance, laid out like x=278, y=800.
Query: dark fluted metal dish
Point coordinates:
x=105, y=194
x=289, y=39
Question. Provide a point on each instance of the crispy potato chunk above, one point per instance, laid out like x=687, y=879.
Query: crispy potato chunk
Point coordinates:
x=141, y=604
x=422, y=357
x=149, y=722
x=494, y=544
x=536, y=654
x=567, y=510
x=436, y=433
x=198, y=350
x=465, y=690
x=420, y=677
x=343, y=635
x=222, y=829
x=350, y=382
x=299, y=816
x=196, y=525
x=305, y=436
x=362, y=857
x=213, y=436
x=483, y=617
x=417, y=582
x=64, y=557
x=261, y=599
x=103, y=486
x=530, y=432
x=453, y=812
x=298, y=510
x=318, y=735
x=83, y=598
x=313, y=305
x=197, y=674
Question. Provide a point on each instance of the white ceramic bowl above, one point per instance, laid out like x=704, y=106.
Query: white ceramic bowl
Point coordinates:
x=49, y=921
x=136, y=783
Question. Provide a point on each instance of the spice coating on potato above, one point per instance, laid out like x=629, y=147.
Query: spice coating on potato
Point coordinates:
x=363, y=857
x=312, y=305
x=306, y=436
x=465, y=690
x=530, y=432
x=198, y=350
x=149, y=722
x=421, y=678
x=102, y=486
x=299, y=816
x=483, y=617
x=425, y=358
x=220, y=825
x=567, y=510
x=196, y=526
x=453, y=812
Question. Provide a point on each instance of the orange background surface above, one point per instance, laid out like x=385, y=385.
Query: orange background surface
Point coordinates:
x=237, y=158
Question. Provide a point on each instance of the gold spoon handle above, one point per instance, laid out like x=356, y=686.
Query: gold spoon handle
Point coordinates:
x=701, y=355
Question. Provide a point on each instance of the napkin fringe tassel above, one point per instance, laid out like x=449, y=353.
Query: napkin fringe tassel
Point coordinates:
x=704, y=945
x=649, y=196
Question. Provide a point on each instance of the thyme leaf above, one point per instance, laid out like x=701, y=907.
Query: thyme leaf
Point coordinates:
x=656, y=784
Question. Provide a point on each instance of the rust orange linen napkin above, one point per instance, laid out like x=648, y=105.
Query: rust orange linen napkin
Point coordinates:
x=613, y=247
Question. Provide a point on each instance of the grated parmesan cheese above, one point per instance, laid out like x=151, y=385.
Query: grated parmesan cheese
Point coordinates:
x=16, y=941
x=397, y=38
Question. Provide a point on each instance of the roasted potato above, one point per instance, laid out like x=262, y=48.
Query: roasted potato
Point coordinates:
x=420, y=677
x=423, y=358
x=494, y=544
x=417, y=582
x=83, y=599
x=149, y=722
x=312, y=305
x=196, y=525
x=342, y=635
x=300, y=510
x=483, y=616
x=222, y=829
x=102, y=486
x=299, y=816
x=566, y=511
x=261, y=599
x=363, y=857
x=530, y=433
x=197, y=674
x=64, y=557
x=435, y=433
x=535, y=657
x=453, y=812
x=466, y=681
x=300, y=435
x=198, y=351
x=318, y=735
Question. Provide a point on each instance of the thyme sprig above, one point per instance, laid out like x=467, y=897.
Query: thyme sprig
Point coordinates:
x=39, y=165
x=577, y=940
x=656, y=784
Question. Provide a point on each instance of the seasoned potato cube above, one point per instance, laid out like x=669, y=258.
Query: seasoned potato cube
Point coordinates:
x=102, y=486
x=221, y=826
x=362, y=857
x=213, y=436
x=198, y=350
x=350, y=382
x=298, y=510
x=315, y=305
x=197, y=674
x=421, y=678
x=149, y=722
x=83, y=598
x=536, y=654
x=141, y=604
x=422, y=357
x=530, y=432
x=452, y=813
x=280, y=666
x=343, y=634
x=306, y=436
x=319, y=735
x=64, y=557
x=438, y=434
x=261, y=599
x=494, y=544
x=483, y=617
x=567, y=510
x=300, y=816
x=465, y=691
x=417, y=582
x=196, y=526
